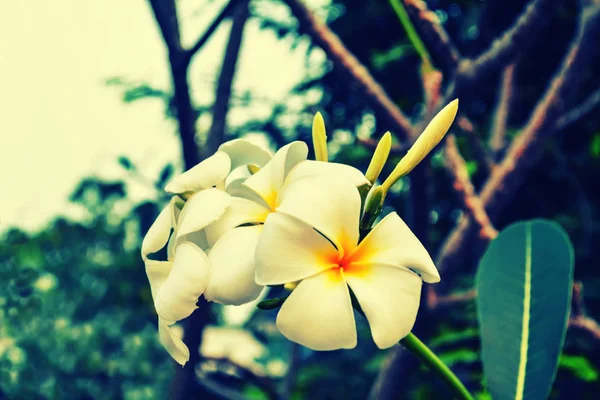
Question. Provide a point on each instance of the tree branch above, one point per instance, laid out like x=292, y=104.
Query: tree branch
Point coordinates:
x=225, y=12
x=438, y=42
x=578, y=112
x=165, y=12
x=480, y=152
x=471, y=203
x=511, y=43
x=216, y=135
x=525, y=149
x=349, y=64
x=497, y=138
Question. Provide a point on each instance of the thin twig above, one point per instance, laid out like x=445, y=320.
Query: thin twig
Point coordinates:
x=481, y=153
x=464, y=187
x=513, y=42
x=348, y=63
x=443, y=49
x=225, y=12
x=578, y=112
x=498, y=137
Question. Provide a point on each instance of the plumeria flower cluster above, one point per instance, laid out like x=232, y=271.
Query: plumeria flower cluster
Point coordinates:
x=244, y=219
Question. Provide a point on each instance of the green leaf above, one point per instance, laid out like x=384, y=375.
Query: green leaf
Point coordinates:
x=524, y=284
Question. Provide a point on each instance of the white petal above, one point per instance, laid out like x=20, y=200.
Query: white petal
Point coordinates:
x=241, y=211
x=289, y=250
x=389, y=297
x=334, y=171
x=242, y=152
x=158, y=234
x=202, y=209
x=177, y=297
x=318, y=314
x=392, y=242
x=157, y=272
x=232, y=264
x=173, y=343
x=206, y=174
x=177, y=204
x=269, y=180
x=238, y=188
x=333, y=208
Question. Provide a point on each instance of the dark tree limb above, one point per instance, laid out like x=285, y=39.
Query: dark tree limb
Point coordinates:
x=443, y=50
x=513, y=42
x=225, y=12
x=216, y=135
x=165, y=13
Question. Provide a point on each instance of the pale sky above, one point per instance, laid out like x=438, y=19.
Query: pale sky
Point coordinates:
x=60, y=122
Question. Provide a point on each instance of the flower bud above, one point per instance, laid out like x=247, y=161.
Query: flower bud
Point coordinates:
x=373, y=208
x=431, y=136
x=319, y=137
x=253, y=168
x=380, y=156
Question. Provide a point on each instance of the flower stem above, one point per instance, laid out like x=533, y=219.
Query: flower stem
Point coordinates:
x=437, y=366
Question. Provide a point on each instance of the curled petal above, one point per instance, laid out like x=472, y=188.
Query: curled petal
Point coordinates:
x=389, y=297
x=241, y=211
x=157, y=272
x=158, y=234
x=334, y=171
x=289, y=250
x=232, y=267
x=173, y=343
x=177, y=297
x=333, y=208
x=202, y=209
x=392, y=242
x=242, y=152
x=269, y=180
x=318, y=314
x=207, y=173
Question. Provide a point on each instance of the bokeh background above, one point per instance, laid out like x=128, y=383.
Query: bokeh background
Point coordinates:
x=101, y=103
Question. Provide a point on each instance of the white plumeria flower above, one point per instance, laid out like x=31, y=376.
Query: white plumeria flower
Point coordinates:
x=233, y=237
x=177, y=282
x=314, y=238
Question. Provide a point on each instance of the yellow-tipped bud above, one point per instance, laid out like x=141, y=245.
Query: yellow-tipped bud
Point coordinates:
x=319, y=137
x=290, y=286
x=380, y=156
x=430, y=137
x=253, y=168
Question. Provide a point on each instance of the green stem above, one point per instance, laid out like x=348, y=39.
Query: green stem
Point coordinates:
x=437, y=366
x=412, y=34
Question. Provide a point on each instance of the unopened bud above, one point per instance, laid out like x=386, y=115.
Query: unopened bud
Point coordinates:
x=431, y=136
x=253, y=168
x=380, y=156
x=319, y=137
